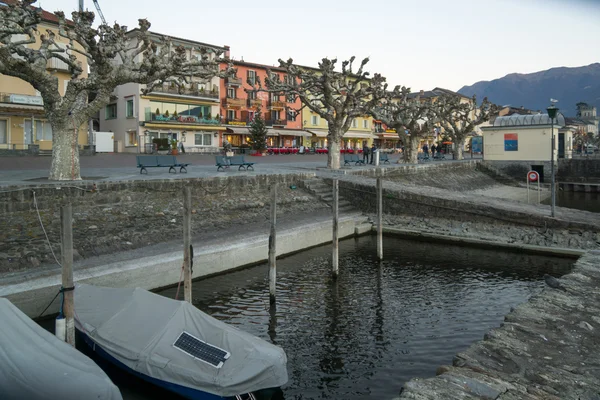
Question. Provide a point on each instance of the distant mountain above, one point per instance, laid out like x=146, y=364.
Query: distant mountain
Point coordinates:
x=533, y=91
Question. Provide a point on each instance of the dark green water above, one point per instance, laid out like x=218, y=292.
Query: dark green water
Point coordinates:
x=577, y=200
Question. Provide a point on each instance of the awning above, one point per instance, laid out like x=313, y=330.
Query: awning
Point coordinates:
x=19, y=106
x=238, y=131
x=359, y=134
x=318, y=132
x=291, y=132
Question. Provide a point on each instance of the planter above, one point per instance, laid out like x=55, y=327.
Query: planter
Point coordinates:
x=174, y=152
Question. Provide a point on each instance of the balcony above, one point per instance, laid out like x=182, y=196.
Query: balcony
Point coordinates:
x=180, y=119
x=276, y=104
x=254, y=103
x=187, y=91
x=273, y=122
x=233, y=81
x=234, y=103
x=57, y=65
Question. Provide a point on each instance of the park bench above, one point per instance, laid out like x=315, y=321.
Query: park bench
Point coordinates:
x=223, y=162
x=383, y=158
x=144, y=162
x=353, y=158
x=439, y=156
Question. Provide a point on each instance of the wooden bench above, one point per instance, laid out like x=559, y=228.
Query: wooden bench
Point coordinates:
x=223, y=162
x=383, y=158
x=144, y=162
x=353, y=158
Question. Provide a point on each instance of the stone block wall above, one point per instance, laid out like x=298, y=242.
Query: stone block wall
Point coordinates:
x=579, y=170
x=117, y=216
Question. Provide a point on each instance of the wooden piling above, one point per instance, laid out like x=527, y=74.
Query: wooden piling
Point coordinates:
x=187, y=240
x=335, y=248
x=273, y=246
x=379, y=219
x=66, y=220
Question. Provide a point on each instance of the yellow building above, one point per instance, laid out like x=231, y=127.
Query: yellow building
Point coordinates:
x=22, y=117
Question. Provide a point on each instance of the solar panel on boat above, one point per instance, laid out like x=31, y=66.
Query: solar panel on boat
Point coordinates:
x=201, y=350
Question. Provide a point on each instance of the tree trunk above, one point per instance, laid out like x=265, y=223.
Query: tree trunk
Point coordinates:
x=65, y=153
x=411, y=150
x=333, y=156
x=457, y=151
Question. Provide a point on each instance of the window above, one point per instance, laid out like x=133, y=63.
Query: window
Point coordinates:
x=314, y=120
x=291, y=115
x=275, y=97
x=42, y=130
x=66, y=85
x=275, y=115
x=365, y=124
x=231, y=93
x=274, y=76
x=252, y=95
x=131, y=138
x=354, y=123
x=203, y=139
x=111, y=111
x=291, y=98
x=252, y=77
x=129, y=108
x=3, y=132
x=230, y=114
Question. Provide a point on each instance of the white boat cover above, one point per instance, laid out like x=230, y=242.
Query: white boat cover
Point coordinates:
x=139, y=328
x=36, y=365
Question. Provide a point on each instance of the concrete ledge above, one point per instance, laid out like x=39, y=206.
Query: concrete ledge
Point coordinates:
x=32, y=295
x=484, y=244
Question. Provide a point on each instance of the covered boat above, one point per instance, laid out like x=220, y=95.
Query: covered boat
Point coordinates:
x=36, y=365
x=174, y=345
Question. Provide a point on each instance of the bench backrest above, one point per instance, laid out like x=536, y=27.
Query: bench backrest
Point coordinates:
x=354, y=157
x=166, y=160
x=220, y=160
x=237, y=159
x=146, y=160
x=383, y=156
x=347, y=157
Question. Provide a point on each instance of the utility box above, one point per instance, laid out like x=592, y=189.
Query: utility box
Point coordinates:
x=105, y=142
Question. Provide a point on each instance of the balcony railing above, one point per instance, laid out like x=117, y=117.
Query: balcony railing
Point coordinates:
x=181, y=119
x=277, y=104
x=211, y=94
x=271, y=122
x=234, y=102
x=234, y=81
x=254, y=103
x=56, y=64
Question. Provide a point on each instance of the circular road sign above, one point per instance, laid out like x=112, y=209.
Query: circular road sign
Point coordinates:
x=533, y=176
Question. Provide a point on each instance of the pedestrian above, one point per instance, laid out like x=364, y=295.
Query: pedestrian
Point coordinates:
x=425, y=151
x=372, y=152
x=365, y=153
x=433, y=150
x=181, y=148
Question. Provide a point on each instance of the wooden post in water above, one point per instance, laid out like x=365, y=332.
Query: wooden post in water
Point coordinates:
x=187, y=240
x=66, y=222
x=379, y=219
x=335, y=250
x=273, y=245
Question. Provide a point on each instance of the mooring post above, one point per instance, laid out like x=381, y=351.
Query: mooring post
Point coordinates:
x=66, y=220
x=335, y=250
x=379, y=219
x=187, y=240
x=273, y=245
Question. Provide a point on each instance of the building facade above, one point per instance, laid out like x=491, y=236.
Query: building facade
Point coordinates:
x=23, y=122
x=241, y=100
x=190, y=114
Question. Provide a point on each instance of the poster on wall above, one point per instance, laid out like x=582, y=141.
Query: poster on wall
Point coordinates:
x=511, y=142
x=477, y=144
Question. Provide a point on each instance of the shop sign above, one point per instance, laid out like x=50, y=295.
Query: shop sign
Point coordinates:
x=24, y=99
x=237, y=123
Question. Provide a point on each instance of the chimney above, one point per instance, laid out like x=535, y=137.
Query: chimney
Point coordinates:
x=227, y=53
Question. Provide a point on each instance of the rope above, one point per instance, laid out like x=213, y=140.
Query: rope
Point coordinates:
x=43, y=229
x=49, y=304
x=179, y=283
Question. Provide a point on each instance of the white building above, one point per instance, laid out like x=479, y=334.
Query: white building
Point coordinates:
x=190, y=115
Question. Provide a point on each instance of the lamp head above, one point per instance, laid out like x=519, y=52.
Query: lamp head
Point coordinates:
x=552, y=110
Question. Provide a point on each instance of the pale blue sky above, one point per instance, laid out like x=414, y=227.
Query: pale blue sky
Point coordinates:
x=421, y=44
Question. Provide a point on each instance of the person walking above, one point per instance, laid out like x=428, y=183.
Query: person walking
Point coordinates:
x=433, y=150
x=425, y=150
x=372, y=152
x=365, y=153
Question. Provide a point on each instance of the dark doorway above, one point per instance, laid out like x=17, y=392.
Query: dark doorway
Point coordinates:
x=540, y=170
x=561, y=145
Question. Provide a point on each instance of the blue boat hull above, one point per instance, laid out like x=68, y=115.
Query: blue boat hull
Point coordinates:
x=183, y=391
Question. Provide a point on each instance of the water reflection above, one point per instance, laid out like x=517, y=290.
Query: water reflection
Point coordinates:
x=577, y=200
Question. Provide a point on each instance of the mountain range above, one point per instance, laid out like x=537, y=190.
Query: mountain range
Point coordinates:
x=533, y=91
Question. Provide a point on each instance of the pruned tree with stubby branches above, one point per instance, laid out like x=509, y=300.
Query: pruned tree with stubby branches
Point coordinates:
x=113, y=57
x=413, y=118
x=336, y=96
x=458, y=119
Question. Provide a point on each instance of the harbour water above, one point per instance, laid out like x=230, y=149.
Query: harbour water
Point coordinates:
x=378, y=325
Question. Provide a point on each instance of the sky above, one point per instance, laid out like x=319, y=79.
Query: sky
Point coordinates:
x=419, y=44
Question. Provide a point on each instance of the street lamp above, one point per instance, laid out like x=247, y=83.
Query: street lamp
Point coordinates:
x=552, y=110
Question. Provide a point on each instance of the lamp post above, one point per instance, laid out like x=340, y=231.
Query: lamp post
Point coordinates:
x=552, y=110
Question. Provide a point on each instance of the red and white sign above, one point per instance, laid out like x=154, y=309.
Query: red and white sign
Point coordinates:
x=533, y=176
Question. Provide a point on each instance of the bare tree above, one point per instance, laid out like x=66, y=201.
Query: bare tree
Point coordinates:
x=113, y=57
x=337, y=97
x=458, y=120
x=412, y=117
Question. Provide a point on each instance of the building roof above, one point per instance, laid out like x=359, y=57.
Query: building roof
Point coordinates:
x=258, y=66
x=46, y=16
x=187, y=41
x=528, y=120
x=577, y=121
x=436, y=92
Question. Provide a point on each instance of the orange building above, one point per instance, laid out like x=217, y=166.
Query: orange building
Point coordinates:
x=239, y=103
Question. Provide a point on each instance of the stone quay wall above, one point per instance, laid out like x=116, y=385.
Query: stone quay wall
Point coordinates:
x=118, y=216
x=567, y=170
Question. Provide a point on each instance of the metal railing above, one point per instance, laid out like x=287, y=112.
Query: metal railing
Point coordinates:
x=186, y=91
